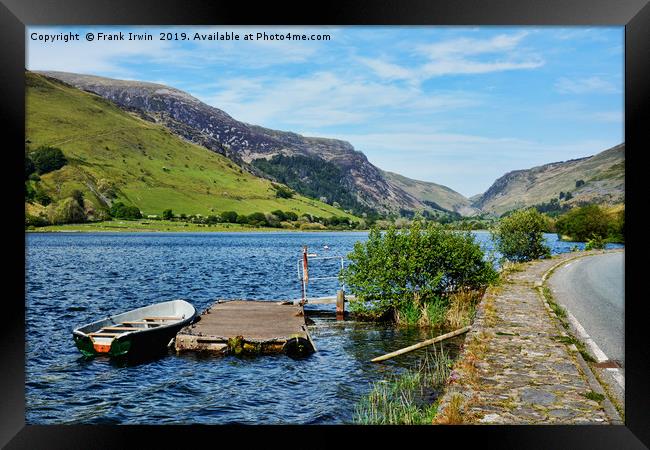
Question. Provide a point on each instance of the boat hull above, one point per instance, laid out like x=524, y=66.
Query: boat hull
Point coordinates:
x=143, y=342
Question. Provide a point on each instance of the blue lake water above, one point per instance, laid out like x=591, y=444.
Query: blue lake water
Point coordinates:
x=76, y=278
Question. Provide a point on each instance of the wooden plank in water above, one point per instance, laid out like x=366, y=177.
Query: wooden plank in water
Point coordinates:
x=254, y=326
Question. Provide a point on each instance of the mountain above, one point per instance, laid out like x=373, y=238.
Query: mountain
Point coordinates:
x=114, y=155
x=433, y=195
x=594, y=179
x=361, y=187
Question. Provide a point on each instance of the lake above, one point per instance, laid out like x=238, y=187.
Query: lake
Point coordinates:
x=76, y=278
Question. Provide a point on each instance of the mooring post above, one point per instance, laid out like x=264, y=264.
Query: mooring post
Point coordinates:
x=340, y=304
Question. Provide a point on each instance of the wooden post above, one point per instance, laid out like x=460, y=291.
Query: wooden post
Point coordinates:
x=305, y=275
x=340, y=304
x=421, y=344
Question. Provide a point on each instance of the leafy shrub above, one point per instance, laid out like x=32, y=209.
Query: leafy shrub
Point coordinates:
x=66, y=211
x=229, y=216
x=583, y=223
x=30, y=168
x=121, y=211
x=35, y=221
x=41, y=197
x=282, y=191
x=257, y=219
x=417, y=265
x=519, y=236
x=596, y=242
x=211, y=220
x=168, y=214
x=78, y=196
x=280, y=215
x=47, y=159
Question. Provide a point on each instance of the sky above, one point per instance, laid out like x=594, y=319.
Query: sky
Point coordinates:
x=457, y=106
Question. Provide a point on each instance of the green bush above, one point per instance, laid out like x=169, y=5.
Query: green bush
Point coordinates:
x=581, y=224
x=121, y=211
x=66, y=211
x=47, y=159
x=30, y=168
x=35, y=221
x=282, y=191
x=229, y=216
x=401, y=270
x=257, y=219
x=78, y=196
x=168, y=214
x=280, y=215
x=519, y=236
x=41, y=197
x=596, y=242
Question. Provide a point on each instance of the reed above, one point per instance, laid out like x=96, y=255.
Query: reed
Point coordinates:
x=409, y=398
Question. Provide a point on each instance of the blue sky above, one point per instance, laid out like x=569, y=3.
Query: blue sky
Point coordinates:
x=459, y=106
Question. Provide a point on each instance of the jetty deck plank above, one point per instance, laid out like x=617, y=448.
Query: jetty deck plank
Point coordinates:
x=254, y=321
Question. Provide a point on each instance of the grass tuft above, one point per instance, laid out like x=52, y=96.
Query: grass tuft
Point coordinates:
x=407, y=399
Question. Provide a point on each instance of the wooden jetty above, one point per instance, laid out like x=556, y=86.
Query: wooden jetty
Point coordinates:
x=248, y=326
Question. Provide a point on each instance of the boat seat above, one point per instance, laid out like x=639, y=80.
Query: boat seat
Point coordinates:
x=137, y=322
x=98, y=334
x=120, y=328
x=162, y=318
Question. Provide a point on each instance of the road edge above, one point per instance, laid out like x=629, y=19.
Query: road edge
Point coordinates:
x=611, y=404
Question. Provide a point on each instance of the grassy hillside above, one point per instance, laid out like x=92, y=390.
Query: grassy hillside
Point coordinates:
x=429, y=193
x=598, y=179
x=148, y=166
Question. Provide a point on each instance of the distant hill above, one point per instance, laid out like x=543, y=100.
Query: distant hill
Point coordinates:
x=595, y=179
x=142, y=162
x=357, y=184
x=434, y=195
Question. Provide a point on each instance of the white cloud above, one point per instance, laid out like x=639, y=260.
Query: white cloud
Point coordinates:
x=324, y=99
x=461, y=56
x=588, y=85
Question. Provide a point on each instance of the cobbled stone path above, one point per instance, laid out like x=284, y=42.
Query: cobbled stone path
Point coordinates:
x=513, y=369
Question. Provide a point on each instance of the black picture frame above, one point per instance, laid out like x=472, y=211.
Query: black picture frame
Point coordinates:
x=15, y=15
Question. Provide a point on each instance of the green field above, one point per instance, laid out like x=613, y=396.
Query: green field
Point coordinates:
x=149, y=167
x=119, y=225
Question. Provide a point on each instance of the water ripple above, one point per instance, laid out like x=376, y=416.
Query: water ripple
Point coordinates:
x=76, y=278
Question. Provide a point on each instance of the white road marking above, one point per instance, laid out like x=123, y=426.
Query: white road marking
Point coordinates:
x=598, y=353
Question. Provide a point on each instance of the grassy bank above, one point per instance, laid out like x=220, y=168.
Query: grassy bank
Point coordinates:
x=119, y=225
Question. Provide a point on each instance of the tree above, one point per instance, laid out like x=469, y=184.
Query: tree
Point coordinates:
x=168, y=214
x=418, y=265
x=66, y=211
x=584, y=223
x=29, y=167
x=280, y=215
x=47, y=159
x=78, y=196
x=519, y=236
x=580, y=183
x=257, y=219
x=121, y=211
x=229, y=216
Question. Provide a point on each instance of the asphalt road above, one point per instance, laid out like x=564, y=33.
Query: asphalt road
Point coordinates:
x=592, y=289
